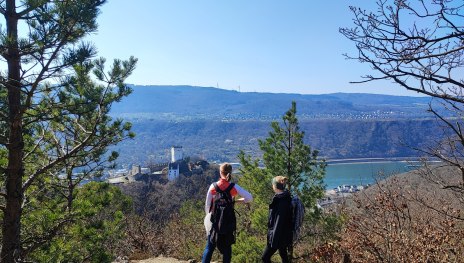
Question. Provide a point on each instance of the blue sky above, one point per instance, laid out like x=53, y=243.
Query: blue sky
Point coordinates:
x=263, y=46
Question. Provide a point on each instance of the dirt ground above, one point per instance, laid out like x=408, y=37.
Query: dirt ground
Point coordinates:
x=161, y=260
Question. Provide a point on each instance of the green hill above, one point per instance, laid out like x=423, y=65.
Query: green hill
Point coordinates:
x=216, y=124
x=188, y=102
x=222, y=140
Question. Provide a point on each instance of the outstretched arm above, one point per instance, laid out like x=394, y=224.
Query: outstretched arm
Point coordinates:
x=246, y=197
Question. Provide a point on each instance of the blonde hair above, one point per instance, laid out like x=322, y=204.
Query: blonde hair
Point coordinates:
x=280, y=182
x=226, y=169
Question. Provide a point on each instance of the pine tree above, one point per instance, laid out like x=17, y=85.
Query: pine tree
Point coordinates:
x=284, y=153
x=54, y=100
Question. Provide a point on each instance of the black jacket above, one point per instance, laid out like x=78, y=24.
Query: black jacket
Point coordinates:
x=280, y=221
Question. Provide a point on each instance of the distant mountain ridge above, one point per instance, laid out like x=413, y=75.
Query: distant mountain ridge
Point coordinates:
x=165, y=102
x=216, y=124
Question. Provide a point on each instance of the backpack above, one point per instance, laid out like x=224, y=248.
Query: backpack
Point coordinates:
x=223, y=215
x=298, y=211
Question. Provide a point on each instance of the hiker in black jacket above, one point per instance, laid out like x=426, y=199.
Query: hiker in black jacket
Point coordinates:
x=279, y=235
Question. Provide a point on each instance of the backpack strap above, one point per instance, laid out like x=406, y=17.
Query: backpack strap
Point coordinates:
x=218, y=190
x=231, y=185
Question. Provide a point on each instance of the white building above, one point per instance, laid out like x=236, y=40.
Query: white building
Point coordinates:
x=173, y=171
x=176, y=153
x=136, y=169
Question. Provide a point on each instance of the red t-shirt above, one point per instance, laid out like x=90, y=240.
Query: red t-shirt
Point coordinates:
x=223, y=184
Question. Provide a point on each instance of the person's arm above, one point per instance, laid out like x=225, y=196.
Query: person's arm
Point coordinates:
x=209, y=198
x=246, y=197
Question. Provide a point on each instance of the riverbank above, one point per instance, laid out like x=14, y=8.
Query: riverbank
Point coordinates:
x=372, y=160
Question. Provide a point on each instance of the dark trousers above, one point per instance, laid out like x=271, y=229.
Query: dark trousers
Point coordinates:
x=209, y=249
x=268, y=252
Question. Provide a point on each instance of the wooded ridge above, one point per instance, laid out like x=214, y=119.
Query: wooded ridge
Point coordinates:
x=188, y=102
x=216, y=124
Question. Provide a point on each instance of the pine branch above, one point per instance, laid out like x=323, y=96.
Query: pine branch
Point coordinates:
x=37, y=241
x=62, y=158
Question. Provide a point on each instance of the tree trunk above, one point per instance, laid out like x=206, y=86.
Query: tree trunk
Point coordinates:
x=11, y=243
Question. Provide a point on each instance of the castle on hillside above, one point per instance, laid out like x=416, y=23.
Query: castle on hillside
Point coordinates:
x=177, y=156
x=178, y=165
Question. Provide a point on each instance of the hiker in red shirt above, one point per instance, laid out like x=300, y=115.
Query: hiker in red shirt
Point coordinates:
x=222, y=241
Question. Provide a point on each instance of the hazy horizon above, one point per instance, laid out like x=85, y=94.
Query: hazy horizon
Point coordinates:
x=255, y=46
x=413, y=94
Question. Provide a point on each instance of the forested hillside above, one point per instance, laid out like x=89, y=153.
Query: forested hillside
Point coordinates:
x=222, y=140
x=187, y=102
x=216, y=124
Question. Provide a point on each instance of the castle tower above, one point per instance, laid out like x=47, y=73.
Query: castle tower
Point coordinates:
x=176, y=153
x=136, y=169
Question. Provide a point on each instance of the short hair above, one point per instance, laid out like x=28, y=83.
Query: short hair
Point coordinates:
x=280, y=182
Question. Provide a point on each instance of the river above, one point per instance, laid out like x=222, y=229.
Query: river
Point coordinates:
x=362, y=173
